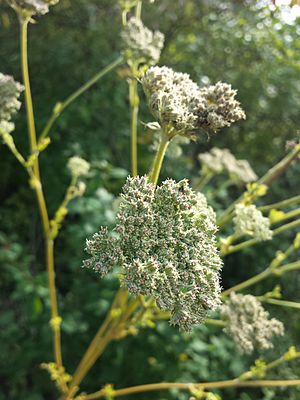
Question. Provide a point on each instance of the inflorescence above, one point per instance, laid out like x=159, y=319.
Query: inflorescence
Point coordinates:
x=249, y=220
x=248, y=323
x=218, y=160
x=10, y=91
x=141, y=45
x=78, y=166
x=28, y=8
x=164, y=240
x=183, y=108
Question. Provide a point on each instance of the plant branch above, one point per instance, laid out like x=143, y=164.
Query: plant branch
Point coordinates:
x=281, y=204
x=60, y=107
x=267, y=179
x=37, y=186
x=188, y=386
x=252, y=242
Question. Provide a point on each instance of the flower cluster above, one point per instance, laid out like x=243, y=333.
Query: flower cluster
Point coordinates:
x=249, y=220
x=219, y=160
x=140, y=45
x=78, y=166
x=248, y=323
x=183, y=108
x=28, y=8
x=164, y=240
x=10, y=91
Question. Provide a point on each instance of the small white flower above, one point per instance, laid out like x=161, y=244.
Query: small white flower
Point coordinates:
x=78, y=166
x=10, y=91
x=249, y=220
x=248, y=323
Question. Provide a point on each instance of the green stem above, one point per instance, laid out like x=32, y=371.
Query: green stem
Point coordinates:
x=288, y=267
x=281, y=204
x=288, y=215
x=272, y=174
x=204, y=181
x=215, y=322
x=188, y=386
x=154, y=174
x=28, y=97
x=282, y=303
x=62, y=106
x=249, y=282
x=138, y=9
x=37, y=186
x=134, y=104
x=252, y=242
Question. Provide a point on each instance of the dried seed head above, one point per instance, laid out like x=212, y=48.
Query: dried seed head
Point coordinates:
x=182, y=108
x=10, y=91
x=165, y=242
x=141, y=45
x=248, y=323
x=249, y=220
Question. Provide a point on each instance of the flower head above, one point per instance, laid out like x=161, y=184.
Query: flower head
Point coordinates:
x=249, y=220
x=10, y=91
x=78, y=166
x=183, y=108
x=219, y=160
x=28, y=8
x=248, y=323
x=140, y=45
x=165, y=242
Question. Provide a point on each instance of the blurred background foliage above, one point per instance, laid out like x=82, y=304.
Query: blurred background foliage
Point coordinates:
x=242, y=42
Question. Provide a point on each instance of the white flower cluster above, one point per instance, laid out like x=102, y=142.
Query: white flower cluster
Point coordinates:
x=219, y=160
x=183, y=108
x=78, y=166
x=249, y=220
x=29, y=8
x=248, y=323
x=141, y=45
x=10, y=91
x=165, y=243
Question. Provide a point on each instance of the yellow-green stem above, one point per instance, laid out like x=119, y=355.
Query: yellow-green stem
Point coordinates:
x=252, y=242
x=138, y=9
x=28, y=97
x=99, y=342
x=154, y=174
x=63, y=105
x=281, y=204
x=282, y=303
x=273, y=269
x=37, y=186
x=134, y=104
x=272, y=174
x=188, y=386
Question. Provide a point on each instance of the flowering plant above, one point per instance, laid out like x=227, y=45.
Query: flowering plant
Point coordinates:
x=167, y=243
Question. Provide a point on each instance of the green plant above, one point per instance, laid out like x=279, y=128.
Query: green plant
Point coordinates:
x=181, y=108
